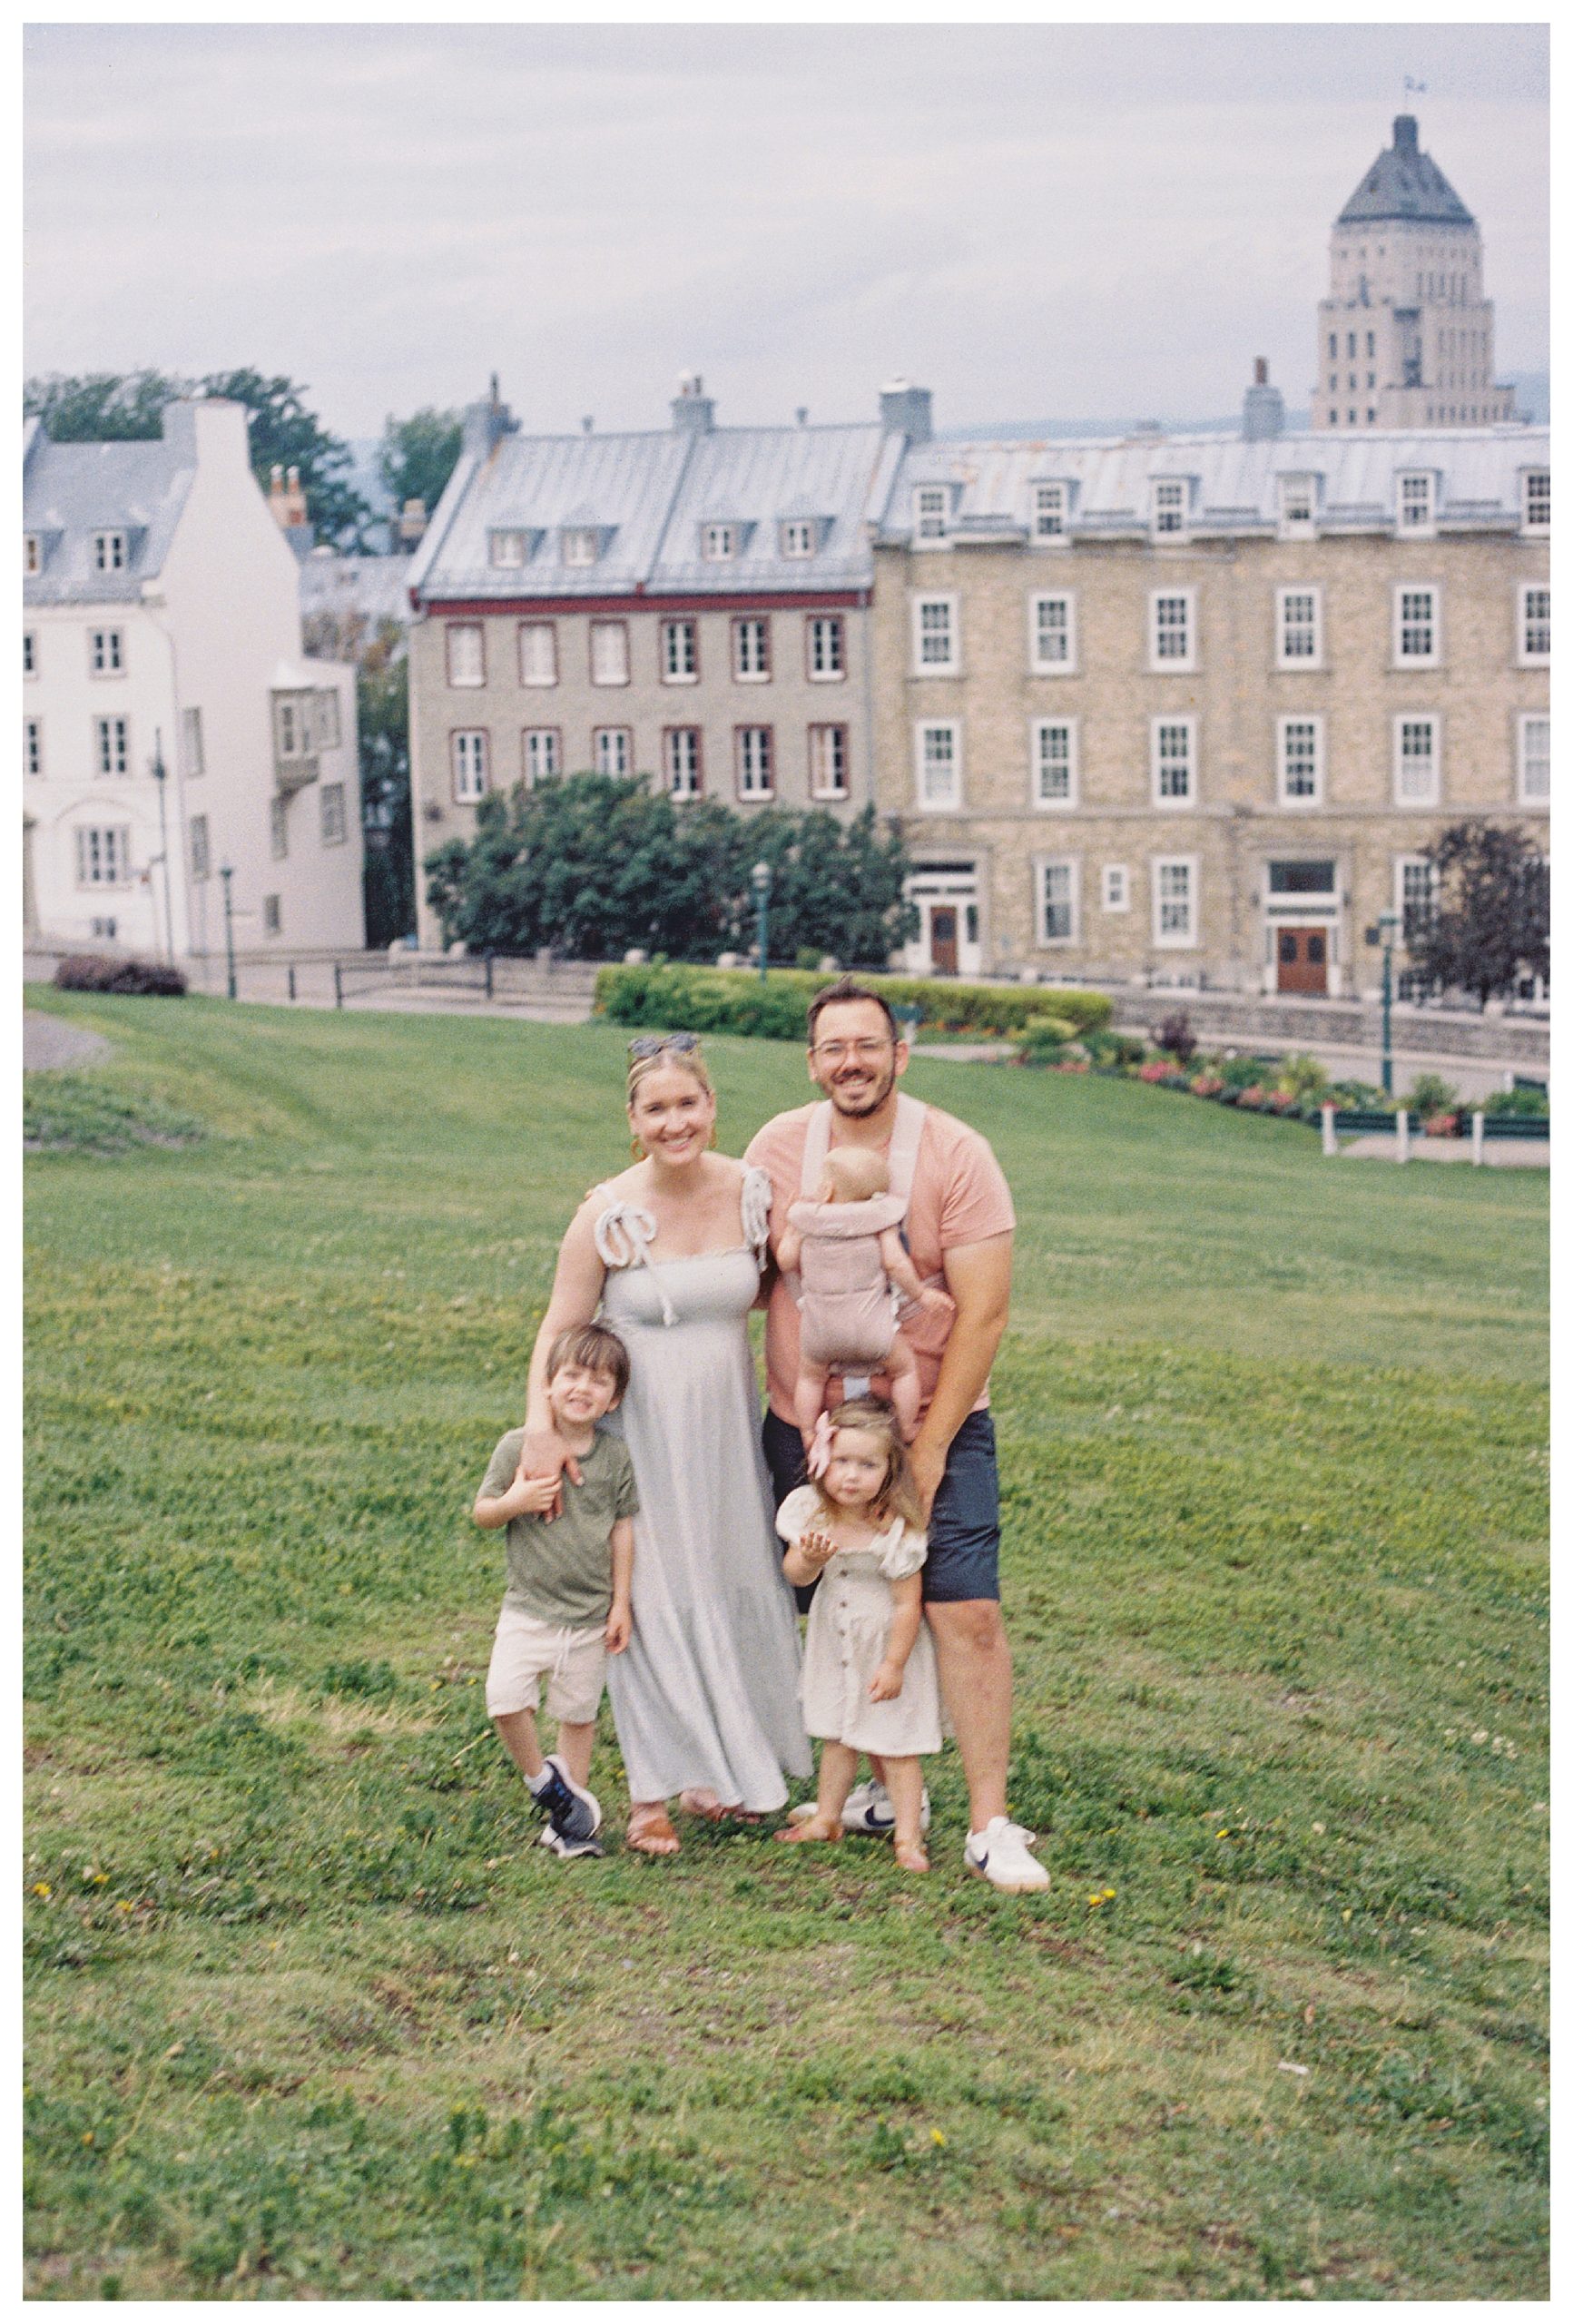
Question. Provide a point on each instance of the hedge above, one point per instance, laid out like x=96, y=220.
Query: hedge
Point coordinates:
x=733, y=1001
x=94, y=973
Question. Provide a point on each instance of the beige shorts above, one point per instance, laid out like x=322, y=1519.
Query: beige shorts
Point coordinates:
x=524, y=1651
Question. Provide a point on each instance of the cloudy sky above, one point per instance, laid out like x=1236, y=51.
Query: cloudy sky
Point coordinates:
x=1037, y=222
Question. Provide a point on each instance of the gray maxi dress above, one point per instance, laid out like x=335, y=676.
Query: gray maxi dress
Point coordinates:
x=707, y=1691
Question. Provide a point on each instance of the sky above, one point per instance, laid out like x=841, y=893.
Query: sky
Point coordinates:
x=1036, y=222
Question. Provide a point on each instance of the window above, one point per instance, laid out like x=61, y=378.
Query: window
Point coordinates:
x=1416, y=757
x=32, y=747
x=470, y=755
x=683, y=752
x=1416, y=502
x=1058, y=902
x=323, y=719
x=467, y=653
x=112, y=753
x=581, y=544
x=1300, y=753
x=1173, y=641
x=798, y=536
x=541, y=754
x=935, y=645
x=828, y=762
x=29, y=654
x=335, y=827
x=1048, y=512
x=103, y=857
x=289, y=734
x=1537, y=500
x=1534, y=624
x=679, y=653
x=32, y=553
x=755, y=762
x=750, y=649
x=1415, y=893
x=1416, y=627
x=612, y=750
x=191, y=742
x=1174, y=900
x=1298, y=877
x=279, y=828
x=273, y=917
x=105, y=929
x=1053, y=635
x=538, y=654
x=827, y=641
x=931, y=509
x=718, y=542
x=1173, y=754
x=202, y=861
x=109, y=551
x=608, y=653
x=1117, y=888
x=510, y=547
x=1053, y=762
x=105, y=652
x=1534, y=759
x=939, y=753
x=1299, y=629
x=1168, y=506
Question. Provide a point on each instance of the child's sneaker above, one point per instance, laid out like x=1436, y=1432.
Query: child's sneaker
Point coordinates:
x=567, y=1848
x=573, y=1813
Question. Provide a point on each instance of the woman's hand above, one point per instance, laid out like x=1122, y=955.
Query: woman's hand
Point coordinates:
x=543, y=1455
x=886, y=1683
x=535, y=1496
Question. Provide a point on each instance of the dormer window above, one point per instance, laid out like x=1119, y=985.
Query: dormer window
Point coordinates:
x=1417, y=502
x=289, y=727
x=32, y=553
x=1168, y=507
x=581, y=544
x=1048, y=512
x=109, y=551
x=1297, y=503
x=1537, y=500
x=718, y=542
x=798, y=536
x=510, y=547
x=930, y=511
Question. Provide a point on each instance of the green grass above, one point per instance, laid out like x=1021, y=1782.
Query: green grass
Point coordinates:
x=310, y=2017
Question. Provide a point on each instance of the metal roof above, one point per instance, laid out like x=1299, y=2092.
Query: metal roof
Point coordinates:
x=1402, y=182
x=371, y=587
x=72, y=492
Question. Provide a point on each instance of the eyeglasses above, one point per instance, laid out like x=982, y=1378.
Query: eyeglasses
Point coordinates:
x=837, y=1052
x=644, y=1045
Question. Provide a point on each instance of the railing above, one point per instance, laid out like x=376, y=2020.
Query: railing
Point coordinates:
x=1344, y=1121
x=472, y=972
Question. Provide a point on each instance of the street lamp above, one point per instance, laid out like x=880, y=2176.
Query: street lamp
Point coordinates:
x=160, y=775
x=761, y=879
x=226, y=874
x=1385, y=933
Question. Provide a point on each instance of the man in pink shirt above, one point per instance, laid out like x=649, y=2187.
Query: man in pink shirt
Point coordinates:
x=958, y=1228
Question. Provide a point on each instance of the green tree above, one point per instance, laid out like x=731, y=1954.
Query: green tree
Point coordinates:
x=418, y=454
x=382, y=705
x=101, y=406
x=1488, y=923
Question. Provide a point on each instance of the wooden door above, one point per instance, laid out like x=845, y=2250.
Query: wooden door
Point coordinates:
x=942, y=940
x=1302, y=960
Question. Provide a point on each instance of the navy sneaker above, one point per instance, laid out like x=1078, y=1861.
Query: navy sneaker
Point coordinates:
x=567, y=1848
x=573, y=1813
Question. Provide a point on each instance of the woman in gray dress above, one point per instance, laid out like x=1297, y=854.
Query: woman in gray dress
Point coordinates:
x=670, y=1255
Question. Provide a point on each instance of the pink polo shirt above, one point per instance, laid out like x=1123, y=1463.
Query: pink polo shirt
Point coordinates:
x=959, y=1195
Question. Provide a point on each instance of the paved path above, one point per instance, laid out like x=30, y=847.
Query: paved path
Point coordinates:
x=1501, y=1154
x=48, y=1045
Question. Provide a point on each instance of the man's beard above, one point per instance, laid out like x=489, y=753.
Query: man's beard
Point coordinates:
x=859, y=1109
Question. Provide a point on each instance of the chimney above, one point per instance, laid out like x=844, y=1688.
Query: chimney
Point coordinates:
x=1406, y=135
x=286, y=499
x=486, y=424
x=1263, y=412
x=412, y=523
x=692, y=409
x=906, y=410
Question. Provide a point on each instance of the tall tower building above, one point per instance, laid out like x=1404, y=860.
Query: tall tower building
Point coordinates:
x=1404, y=336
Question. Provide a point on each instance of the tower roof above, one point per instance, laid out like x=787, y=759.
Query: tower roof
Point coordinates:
x=1404, y=183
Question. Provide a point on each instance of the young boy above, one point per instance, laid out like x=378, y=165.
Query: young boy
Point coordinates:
x=567, y=1602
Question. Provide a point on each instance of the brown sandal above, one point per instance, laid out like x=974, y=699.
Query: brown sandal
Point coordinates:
x=651, y=1833
x=702, y=1803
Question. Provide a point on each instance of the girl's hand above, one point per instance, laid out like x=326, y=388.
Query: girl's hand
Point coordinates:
x=886, y=1683
x=816, y=1548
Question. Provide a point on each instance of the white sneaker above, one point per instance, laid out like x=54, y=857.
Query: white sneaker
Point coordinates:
x=868, y=1811
x=998, y=1854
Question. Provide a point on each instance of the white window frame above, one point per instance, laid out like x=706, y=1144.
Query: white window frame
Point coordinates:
x=1293, y=722
x=102, y=855
x=581, y=544
x=199, y=848
x=751, y=654
x=836, y=788
x=469, y=761
x=106, y=654
x=718, y=542
x=1432, y=797
x=1534, y=522
x=1041, y=728
x=1282, y=629
x=1037, y=601
x=686, y=744
x=930, y=512
x=272, y=916
x=1402, y=866
x=753, y=762
x=798, y=536
x=612, y=751
x=1173, y=940
x=509, y=547
x=1293, y=524
x=32, y=553
x=1171, y=661
x=539, y=744
x=607, y=648
x=1527, y=719
x=112, y=745
x=529, y=650
x=1168, y=497
x=1403, y=589
x=825, y=645
x=921, y=762
x=323, y=719
x=1116, y=887
x=109, y=551
x=1173, y=804
x=279, y=827
x=1414, y=507
x=194, y=756
x=679, y=668
x=33, y=748
x=951, y=667
x=1050, y=512
x=465, y=645
x=335, y=818
x=1042, y=865
x=1528, y=660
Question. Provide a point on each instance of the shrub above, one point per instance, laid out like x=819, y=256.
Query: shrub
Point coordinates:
x=92, y=972
x=1205, y=1085
x=1156, y=1069
x=1174, y=1034
x=1246, y=1072
x=1521, y=1105
x=734, y=1000
x=1108, y=1048
x=1303, y=1077
x=1045, y=1040
x=1430, y=1094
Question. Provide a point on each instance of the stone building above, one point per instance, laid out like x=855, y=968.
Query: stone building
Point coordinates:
x=1404, y=335
x=691, y=605
x=1185, y=709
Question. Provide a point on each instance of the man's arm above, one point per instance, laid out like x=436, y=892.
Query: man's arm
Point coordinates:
x=979, y=1275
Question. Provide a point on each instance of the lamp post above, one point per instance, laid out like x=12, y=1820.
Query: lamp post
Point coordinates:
x=1386, y=928
x=761, y=879
x=226, y=874
x=160, y=775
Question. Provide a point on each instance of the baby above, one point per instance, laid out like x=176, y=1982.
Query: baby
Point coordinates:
x=845, y=1247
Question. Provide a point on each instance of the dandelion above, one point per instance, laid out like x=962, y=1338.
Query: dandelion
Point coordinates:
x=42, y=1888
x=124, y=1905
x=1223, y=1835
x=1347, y=1913
x=937, y=2137
x=88, y=2137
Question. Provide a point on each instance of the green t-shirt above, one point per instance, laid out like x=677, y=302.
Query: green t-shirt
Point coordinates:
x=561, y=1570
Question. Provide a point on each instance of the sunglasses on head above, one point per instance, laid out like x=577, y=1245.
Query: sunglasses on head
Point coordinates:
x=652, y=1044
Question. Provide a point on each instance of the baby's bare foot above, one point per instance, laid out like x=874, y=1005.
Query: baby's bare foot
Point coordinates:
x=816, y=1827
x=911, y=1856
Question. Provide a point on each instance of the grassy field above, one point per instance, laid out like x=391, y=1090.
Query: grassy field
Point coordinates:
x=310, y=2017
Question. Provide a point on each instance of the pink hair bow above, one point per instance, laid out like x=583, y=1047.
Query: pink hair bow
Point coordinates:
x=819, y=1452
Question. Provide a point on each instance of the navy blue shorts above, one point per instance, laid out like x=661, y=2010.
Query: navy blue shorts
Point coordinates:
x=963, y=1560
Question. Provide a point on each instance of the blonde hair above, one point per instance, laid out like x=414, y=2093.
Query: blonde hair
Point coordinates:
x=898, y=1495
x=689, y=1061
x=856, y=1173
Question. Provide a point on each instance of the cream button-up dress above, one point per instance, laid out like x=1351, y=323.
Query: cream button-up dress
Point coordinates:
x=849, y=1625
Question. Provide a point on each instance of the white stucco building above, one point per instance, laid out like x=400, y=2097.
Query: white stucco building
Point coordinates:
x=162, y=630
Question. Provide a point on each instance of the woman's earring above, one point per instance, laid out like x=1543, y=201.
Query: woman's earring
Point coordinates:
x=636, y=1149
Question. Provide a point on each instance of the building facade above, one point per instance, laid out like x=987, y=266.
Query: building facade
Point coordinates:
x=1405, y=333
x=171, y=724
x=1186, y=712
x=691, y=606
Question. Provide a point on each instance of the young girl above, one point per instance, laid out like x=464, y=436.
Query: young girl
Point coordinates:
x=849, y=1252
x=869, y=1681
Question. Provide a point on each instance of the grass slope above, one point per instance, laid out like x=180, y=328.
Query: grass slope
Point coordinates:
x=310, y=2018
